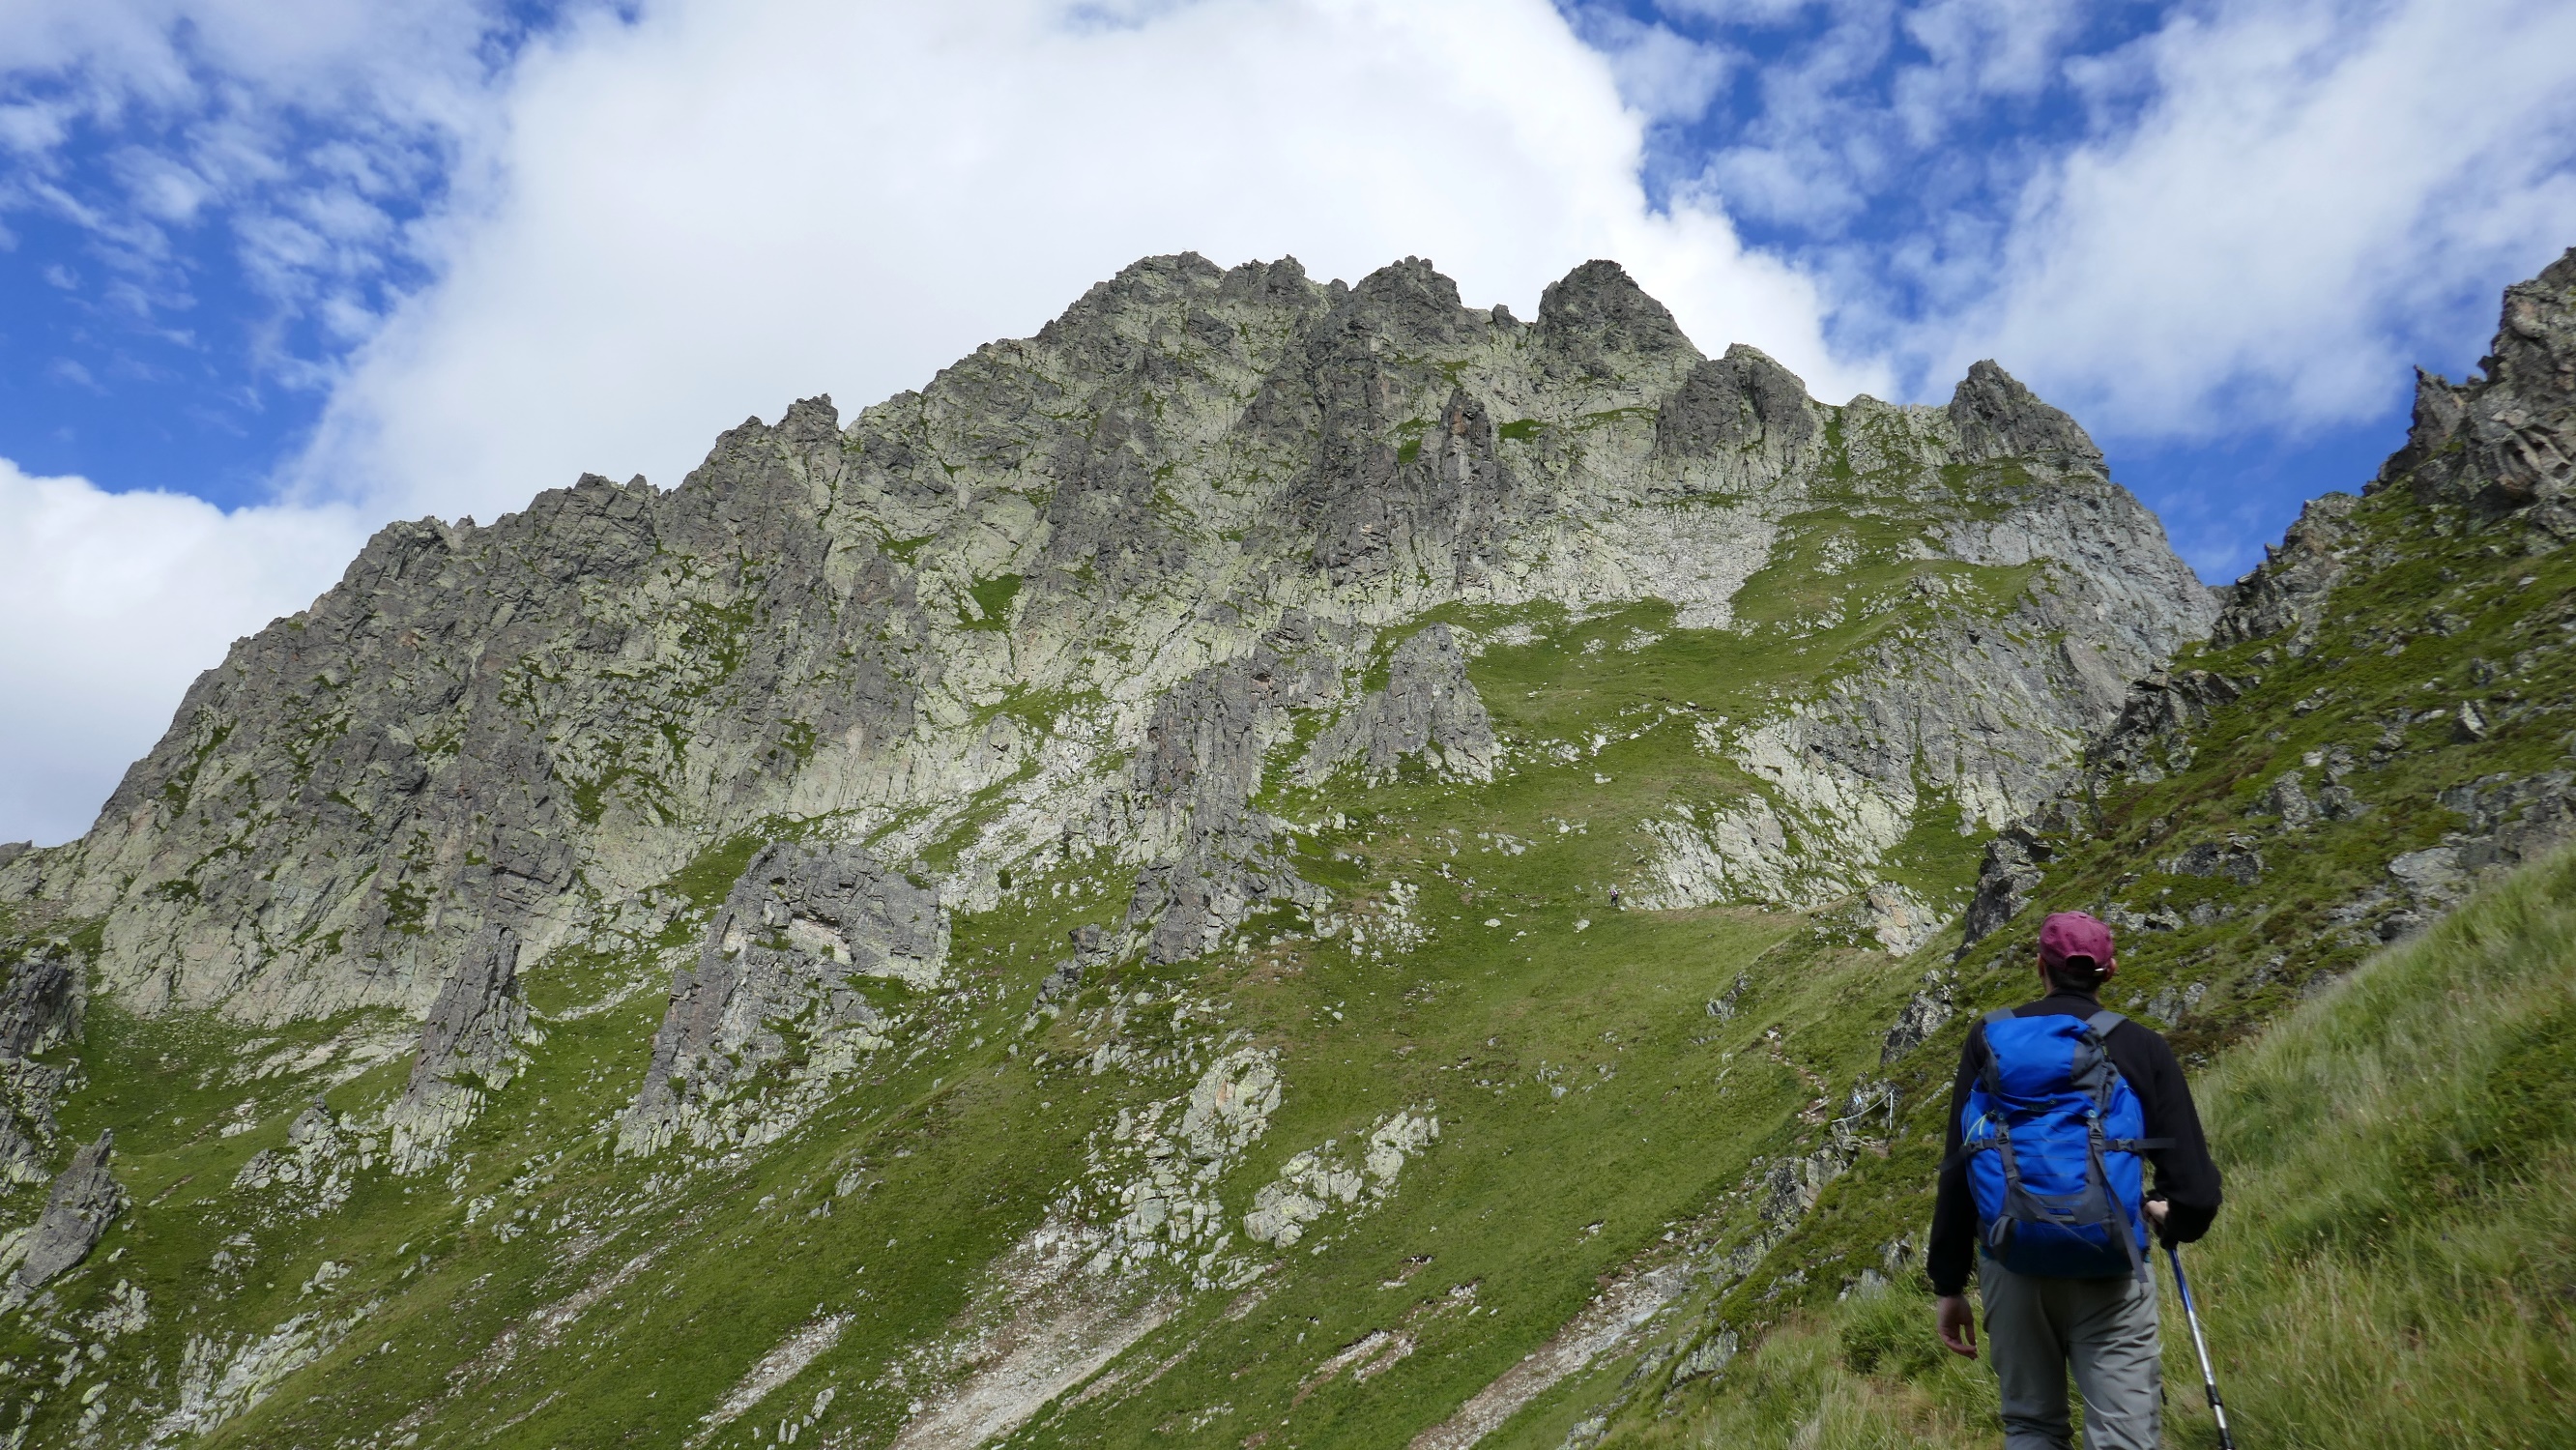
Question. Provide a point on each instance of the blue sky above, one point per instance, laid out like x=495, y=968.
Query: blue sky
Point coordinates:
x=272, y=273
x=196, y=236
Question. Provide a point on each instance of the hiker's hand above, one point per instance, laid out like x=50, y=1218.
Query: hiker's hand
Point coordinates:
x=2156, y=1210
x=1957, y=1324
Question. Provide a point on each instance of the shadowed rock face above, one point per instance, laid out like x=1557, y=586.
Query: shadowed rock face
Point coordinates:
x=1998, y=418
x=2508, y=440
x=1596, y=323
x=1428, y=709
x=475, y=1025
x=85, y=1201
x=801, y=923
x=40, y=1009
x=2287, y=595
x=1206, y=749
x=1746, y=420
x=471, y=1040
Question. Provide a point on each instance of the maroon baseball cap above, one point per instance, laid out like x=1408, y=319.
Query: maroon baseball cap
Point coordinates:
x=2067, y=935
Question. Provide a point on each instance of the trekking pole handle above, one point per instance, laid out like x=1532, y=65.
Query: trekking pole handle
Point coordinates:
x=2200, y=1344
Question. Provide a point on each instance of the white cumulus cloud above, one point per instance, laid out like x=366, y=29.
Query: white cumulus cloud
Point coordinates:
x=716, y=208
x=114, y=602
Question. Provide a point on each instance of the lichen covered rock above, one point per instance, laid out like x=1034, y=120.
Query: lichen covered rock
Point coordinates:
x=798, y=931
x=1428, y=710
x=472, y=1044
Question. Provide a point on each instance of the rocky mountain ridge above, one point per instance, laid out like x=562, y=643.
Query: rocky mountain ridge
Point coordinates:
x=533, y=724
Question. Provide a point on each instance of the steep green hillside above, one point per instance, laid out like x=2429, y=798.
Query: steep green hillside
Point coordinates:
x=2381, y=722
x=2401, y=1160
x=544, y=1291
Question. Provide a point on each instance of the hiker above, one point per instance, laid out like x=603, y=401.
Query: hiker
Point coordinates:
x=2061, y=1286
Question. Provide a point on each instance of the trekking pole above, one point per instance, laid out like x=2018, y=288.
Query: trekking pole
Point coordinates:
x=2208, y=1378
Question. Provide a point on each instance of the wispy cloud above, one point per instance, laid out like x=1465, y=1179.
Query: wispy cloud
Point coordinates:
x=2316, y=196
x=2185, y=220
x=294, y=140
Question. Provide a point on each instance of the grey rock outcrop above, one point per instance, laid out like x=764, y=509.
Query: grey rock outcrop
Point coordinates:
x=86, y=1199
x=2234, y=858
x=1439, y=511
x=1925, y=1013
x=1970, y=707
x=471, y=1044
x=2506, y=821
x=1429, y=709
x=475, y=1026
x=1596, y=325
x=317, y=1170
x=1092, y=950
x=2507, y=441
x=1206, y=749
x=784, y=953
x=2287, y=595
x=1739, y=423
x=22, y=1162
x=2007, y=879
x=1999, y=418
x=40, y=1009
x=2288, y=799
x=2152, y=737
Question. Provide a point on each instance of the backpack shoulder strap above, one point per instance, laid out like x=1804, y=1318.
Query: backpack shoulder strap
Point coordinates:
x=2091, y=1073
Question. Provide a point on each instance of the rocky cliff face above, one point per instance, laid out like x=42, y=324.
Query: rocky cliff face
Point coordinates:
x=40, y=1011
x=84, y=1201
x=980, y=591
x=637, y=925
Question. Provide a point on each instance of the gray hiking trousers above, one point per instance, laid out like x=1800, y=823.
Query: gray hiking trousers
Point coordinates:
x=2036, y=1328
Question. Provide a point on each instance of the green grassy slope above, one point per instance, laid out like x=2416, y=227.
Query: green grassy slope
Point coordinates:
x=2394, y=1264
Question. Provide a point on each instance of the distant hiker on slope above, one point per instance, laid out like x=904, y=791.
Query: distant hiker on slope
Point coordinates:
x=2056, y=1103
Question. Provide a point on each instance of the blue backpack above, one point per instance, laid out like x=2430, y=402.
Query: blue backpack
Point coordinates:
x=2052, y=1133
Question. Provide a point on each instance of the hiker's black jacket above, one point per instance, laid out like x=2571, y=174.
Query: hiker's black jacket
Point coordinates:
x=2185, y=1178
